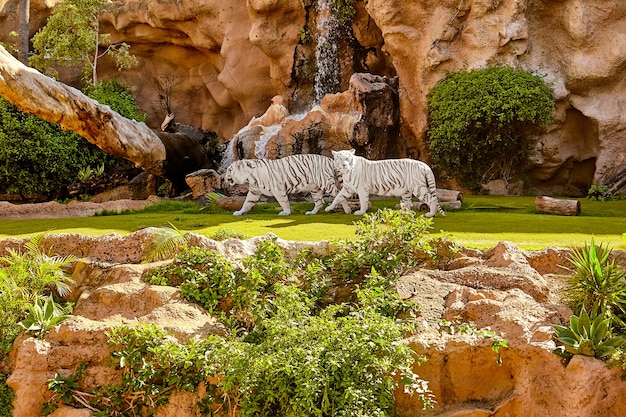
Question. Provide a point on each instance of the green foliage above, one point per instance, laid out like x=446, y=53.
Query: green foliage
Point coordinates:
x=483, y=123
x=6, y=397
x=87, y=173
x=597, y=284
x=392, y=241
x=287, y=352
x=166, y=243
x=224, y=233
x=589, y=336
x=497, y=340
x=600, y=193
x=71, y=38
x=117, y=96
x=38, y=157
x=344, y=10
x=44, y=315
x=596, y=288
x=24, y=277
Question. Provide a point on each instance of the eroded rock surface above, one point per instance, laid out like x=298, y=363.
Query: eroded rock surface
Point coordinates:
x=512, y=292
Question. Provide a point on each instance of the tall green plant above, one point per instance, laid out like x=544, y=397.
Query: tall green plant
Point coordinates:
x=596, y=283
x=483, y=123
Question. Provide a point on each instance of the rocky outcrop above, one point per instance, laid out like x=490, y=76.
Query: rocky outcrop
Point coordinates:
x=509, y=291
x=222, y=64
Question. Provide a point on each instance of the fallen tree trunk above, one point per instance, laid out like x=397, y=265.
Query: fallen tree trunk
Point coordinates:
x=445, y=195
x=165, y=154
x=35, y=93
x=549, y=205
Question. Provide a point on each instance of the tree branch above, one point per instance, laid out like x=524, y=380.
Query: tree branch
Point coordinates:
x=34, y=93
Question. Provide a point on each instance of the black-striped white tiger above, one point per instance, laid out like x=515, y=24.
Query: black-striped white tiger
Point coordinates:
x=403, y=178
x=307, y=173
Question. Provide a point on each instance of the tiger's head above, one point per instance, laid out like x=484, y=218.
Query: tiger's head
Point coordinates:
x=344, y=160
x=239, y=172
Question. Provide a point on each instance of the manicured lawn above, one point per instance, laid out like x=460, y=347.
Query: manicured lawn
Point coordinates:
x=481, y=223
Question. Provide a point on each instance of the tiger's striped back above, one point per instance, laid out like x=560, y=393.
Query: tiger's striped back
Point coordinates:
x=388, y=177
x=306, y=173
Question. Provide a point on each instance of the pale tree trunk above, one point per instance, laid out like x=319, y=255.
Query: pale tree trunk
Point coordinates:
x=171, y=155
x=23, y=31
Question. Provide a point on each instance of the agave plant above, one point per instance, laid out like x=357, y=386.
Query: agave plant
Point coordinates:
x=588, y=337
x=44, y=314
x=597, y=283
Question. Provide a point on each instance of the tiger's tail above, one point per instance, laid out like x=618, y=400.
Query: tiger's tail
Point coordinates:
x=433, y=202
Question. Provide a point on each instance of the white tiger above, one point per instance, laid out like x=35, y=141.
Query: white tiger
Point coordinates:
x=389, y=177
x=280, y=177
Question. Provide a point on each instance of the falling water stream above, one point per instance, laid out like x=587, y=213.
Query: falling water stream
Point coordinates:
x=327, y=78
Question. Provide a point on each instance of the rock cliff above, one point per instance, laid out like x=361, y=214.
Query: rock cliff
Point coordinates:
x=224, y=62
x=510, y=291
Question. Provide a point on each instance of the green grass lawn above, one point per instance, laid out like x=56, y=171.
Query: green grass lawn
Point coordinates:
x=482, y=222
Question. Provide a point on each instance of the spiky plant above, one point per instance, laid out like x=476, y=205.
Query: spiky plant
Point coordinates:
x=597, y=283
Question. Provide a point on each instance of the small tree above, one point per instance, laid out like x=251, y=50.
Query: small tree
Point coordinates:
x=72, y=37
x=483, y=123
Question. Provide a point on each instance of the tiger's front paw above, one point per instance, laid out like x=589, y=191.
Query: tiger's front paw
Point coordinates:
x=284, y=213
x=238, y=213
x=360, y=212
x=329, y=208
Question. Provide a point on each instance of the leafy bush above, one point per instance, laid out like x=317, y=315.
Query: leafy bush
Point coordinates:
x=600, y=193
x=6, y=397
x=287, y=353
x=38, y=157
x=392, y=241
x=117, y=96
x=344, y=361
x=483, y=123
x=44, y=314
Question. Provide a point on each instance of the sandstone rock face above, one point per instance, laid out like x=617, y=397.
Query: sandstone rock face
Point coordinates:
x=509, y=291
x=223, y=62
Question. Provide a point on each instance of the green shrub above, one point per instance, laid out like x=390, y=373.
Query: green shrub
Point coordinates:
x=392, y=242
x=597, y=284
x=117, y=96
x=483, y=123
x=343, y=361
x=287, y=353
x=44, y=314
x=38, y=157
x=6, y=397
x=600, y=193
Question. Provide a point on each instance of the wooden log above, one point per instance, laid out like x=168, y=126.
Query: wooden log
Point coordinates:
x=549, y=205
x=448, y=195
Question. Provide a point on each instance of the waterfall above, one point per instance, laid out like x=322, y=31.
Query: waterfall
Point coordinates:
x=327, y=77
x=259, y=145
